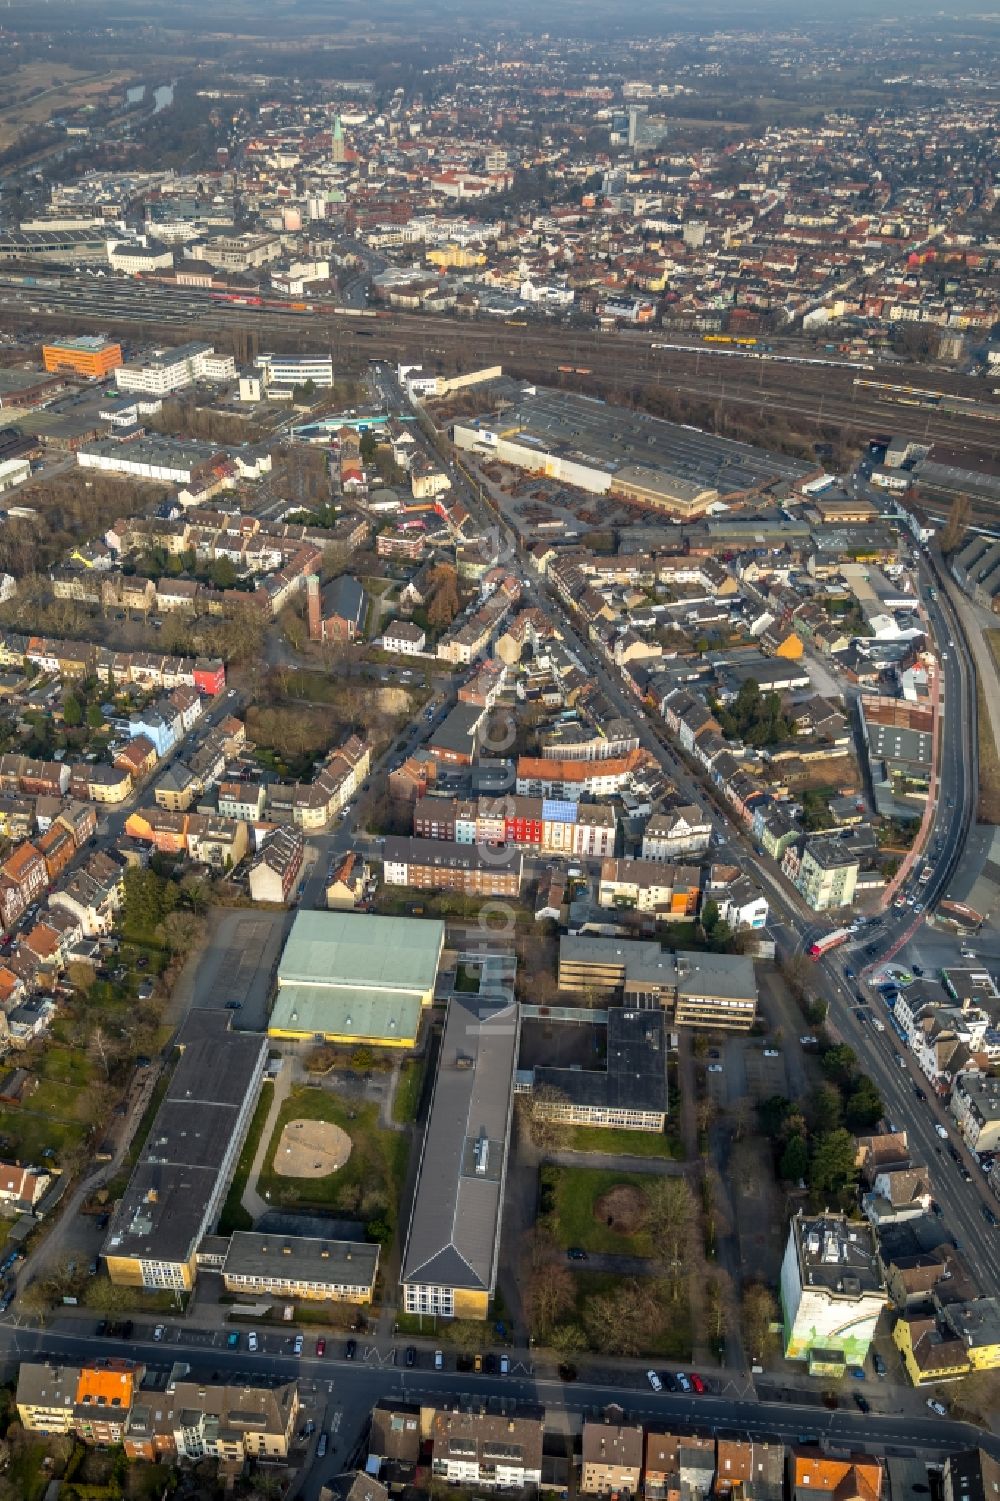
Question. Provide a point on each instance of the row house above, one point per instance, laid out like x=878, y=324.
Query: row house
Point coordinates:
x=552, y=827
x=343, y=772
x=93, y=896
x=23, y=879
x=440, y=865
x=34, y=778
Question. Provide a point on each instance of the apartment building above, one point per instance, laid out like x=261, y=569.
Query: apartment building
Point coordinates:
x=487, y=1450
x=681, y=831
x=832, y=1291
x=211, y=1420
x=612, y=1456
x=825, y=871
x=275, y=871
x=975, y=1104
x=440, y=865
x=671, y=891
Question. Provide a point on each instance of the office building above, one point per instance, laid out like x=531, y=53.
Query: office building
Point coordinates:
x=89, y=356
x=694, y=989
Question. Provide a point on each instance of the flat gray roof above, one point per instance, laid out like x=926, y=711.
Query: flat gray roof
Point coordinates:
x=301, y=1258
x=160, y=1215
x=635, y=1075
x=615, y=438
x=454, y=1233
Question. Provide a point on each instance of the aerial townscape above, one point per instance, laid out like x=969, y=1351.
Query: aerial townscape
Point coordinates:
x=499, y=752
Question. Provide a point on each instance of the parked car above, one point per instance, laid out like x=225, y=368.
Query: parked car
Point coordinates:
x=862, y=1403
x=410, y=1358
x=856, y=1372
x=159, y=1332
x=251, y=1340
x=698, y=1384
x=771, y=1053
x=716, y=1068
x=297, y=1346
x=938, y=1407
x=439, y=1360
x=321, y=1347
x=879, y=1364
x=505, y=1365
x=654, y=1381
x=321, y=1446
x=350, y=1349
x=684, y=1382
x=576, y=1253
x=233, y=1340
x=988, y=1215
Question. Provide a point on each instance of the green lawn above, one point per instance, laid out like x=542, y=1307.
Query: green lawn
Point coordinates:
x=568, y=1197
x=634, y=1143
x=367, y=1187
x=50, y=1122
x=671, y=1342
x=234, y=1216
x=406, y=1100
x=468, y=979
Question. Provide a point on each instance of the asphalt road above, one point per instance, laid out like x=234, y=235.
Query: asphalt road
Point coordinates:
x=358, y=1384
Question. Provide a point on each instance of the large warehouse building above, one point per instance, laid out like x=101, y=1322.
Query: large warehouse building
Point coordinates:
x=348, y=977
x=629, y=456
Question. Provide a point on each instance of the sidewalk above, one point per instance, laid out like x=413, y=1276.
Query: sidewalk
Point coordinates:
x=252, y=1202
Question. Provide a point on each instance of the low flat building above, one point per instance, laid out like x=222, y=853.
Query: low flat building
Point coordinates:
x=351, y=977
x=628, y=1094
x=453, y=1240
x=301, y=1266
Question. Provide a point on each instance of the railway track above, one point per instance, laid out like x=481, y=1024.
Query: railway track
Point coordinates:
x=623, y=364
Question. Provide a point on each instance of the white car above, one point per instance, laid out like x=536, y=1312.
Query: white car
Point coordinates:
x=715, y=1068
x=938, y=1407
x=878, y=1025
x=771, y=1053
x=684, y=1382
x=159, y=1331
x=654, y=1381
x=251, y=1341
x=808, y=1041
x=941, y=1131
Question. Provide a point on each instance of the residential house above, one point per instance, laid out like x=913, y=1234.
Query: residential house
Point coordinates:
x=612, y=1456
x=275, y=871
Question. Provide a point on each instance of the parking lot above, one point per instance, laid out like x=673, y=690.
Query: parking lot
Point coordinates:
x=237, y=964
